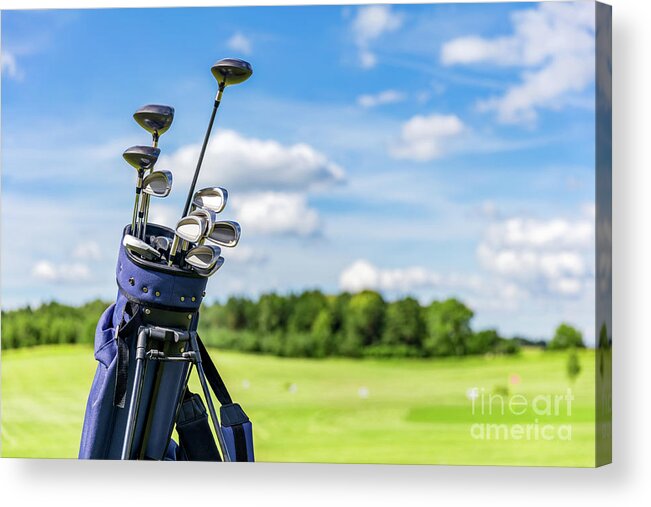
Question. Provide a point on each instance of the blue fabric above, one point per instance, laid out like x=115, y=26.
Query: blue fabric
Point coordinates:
x=229, y=438
x=157, y=284
x=104, y=423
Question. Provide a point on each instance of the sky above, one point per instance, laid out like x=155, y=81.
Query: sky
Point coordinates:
x=435, y=151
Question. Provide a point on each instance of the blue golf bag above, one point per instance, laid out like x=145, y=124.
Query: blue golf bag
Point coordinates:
x=146, y=346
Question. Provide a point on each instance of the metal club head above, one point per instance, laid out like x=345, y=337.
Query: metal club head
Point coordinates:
x=211, y=271
x=141, y=157
x=138, y=247
x=162, y=243
x=209, y=215
x=203, y=257
x=225, y=233
x=154, y=118
x=230, y=71
x=191, y=228
x=211, y=198
x=158, y=183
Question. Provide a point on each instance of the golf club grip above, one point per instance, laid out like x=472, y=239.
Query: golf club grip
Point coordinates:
x=188, y=201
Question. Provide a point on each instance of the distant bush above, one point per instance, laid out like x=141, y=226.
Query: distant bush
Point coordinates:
x=566, y=337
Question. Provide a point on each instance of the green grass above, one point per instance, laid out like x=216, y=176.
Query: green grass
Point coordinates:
x=416, y=411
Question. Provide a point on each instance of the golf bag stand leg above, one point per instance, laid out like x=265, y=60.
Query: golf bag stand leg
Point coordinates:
x=136, y=393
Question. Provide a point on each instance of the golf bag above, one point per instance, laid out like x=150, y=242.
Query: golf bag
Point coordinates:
x=146, y=345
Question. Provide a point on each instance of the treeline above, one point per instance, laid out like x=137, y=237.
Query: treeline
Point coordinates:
x=51, y=323
x=310, y=324
x=313, y=324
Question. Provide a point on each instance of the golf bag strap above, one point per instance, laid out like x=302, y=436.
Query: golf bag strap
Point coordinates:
x=212, y=376
x=122, y=370
x=232, y=415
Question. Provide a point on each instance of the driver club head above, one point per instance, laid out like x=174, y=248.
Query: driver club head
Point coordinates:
x=203, y=257
x=138, y=247
x=209, y=272
x=155, y=119
x=230, y=71
x=141, y=157
x=225, y=233
x=211, y=198
x=158, y=183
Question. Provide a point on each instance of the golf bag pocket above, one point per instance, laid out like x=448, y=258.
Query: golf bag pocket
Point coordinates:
x=238, y=432
x=99, y=409
x=196, y=442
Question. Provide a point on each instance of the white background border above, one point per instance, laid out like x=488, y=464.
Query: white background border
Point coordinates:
x=626, y=482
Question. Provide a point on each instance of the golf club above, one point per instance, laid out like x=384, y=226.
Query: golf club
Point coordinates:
x=191, y=229
x=158, y=184
x=210, y=198
x=138, y=247
x=155, y=119
x=142, y=158
x=203, y=257
x=228, y=71
x=225, y=233
x=209, y=272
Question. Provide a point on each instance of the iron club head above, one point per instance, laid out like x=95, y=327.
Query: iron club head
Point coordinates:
x=191, y=228
x=158, y=183
x=203, y=257
x=225, y=233
x=138, y=247
x=211, y=198
x=230, y=71
x=211, y=271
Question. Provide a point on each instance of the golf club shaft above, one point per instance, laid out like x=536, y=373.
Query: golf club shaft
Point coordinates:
x=136, y=204
x=154, y=143
x=218, y=99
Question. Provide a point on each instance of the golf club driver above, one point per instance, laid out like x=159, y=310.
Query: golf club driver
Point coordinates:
x=203, y=257
x=141, y=158
x=191, y=229
x=158, y=184
x=209, y=272
x=228, y=71
x=225, y=233
x=138, y=247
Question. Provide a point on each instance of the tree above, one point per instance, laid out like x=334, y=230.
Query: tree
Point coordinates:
x=363, y=323
x=272, y=313
x=404, y=324
x=448, y=328
x=305, y=310
x=323, y=333
x=483, y=342
x=565, y=337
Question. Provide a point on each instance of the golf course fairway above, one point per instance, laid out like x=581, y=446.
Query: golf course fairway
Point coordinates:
x=340, y=410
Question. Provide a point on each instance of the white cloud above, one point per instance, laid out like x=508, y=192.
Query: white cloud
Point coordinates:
x=364, y=275
x=385, y=97
x=554, y=44
x=541, y=256
x=89, y=251
x=276, y=213
x=245, y=255
x=60, y=273
x=422, y=137
x=370, y=23
x=8, y=65
x=255, y=164
x=240, y=43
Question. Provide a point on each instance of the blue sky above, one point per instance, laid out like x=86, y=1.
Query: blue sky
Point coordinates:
x=430, y=150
